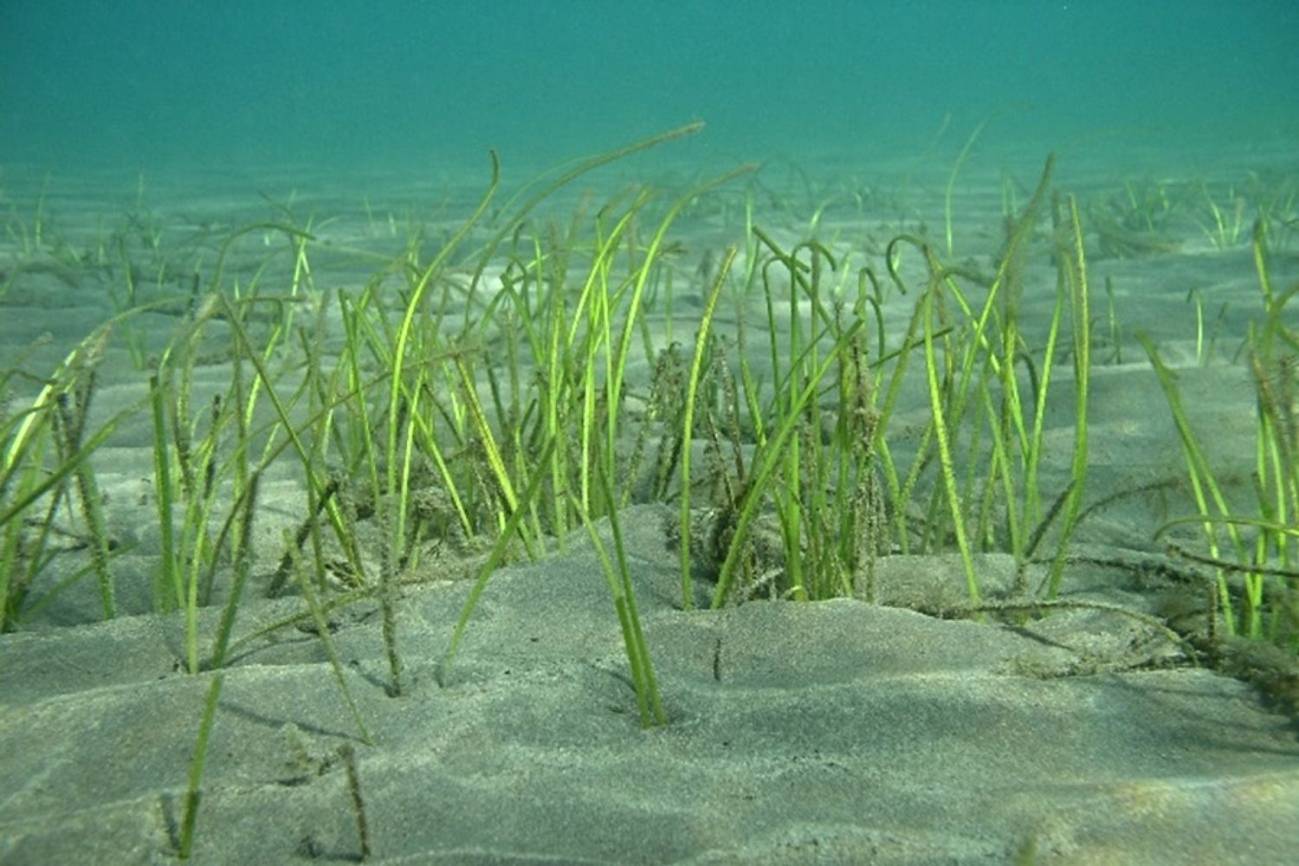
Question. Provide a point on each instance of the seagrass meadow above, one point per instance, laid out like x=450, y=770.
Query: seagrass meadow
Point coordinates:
x=937, y=510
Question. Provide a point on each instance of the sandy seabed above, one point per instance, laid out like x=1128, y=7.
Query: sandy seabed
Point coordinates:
x=833, y=732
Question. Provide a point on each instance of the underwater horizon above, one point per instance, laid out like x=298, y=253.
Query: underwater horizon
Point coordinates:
x=431, y=87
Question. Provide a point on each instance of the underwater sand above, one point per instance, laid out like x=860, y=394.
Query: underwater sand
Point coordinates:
x=835, y=732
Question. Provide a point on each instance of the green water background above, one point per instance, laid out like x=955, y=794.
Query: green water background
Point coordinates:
x=150, y=85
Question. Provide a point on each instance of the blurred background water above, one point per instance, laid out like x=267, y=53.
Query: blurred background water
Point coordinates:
x=401, y=84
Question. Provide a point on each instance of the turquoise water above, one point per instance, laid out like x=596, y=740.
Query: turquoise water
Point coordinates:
x=403, y=84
